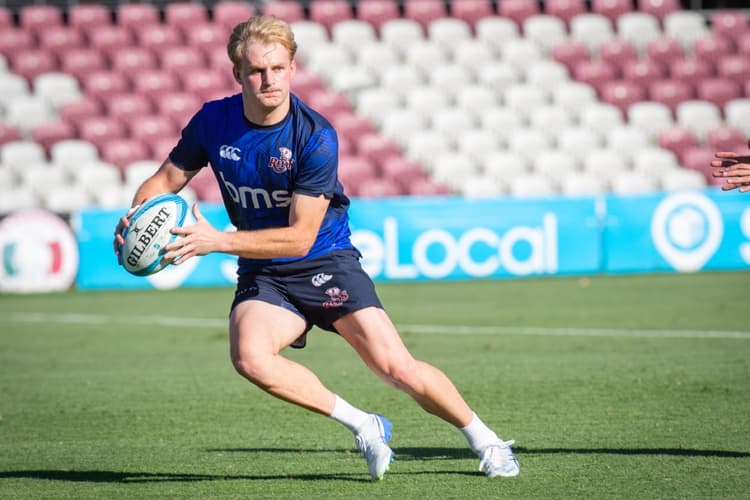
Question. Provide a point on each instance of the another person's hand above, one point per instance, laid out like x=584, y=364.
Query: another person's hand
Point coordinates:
x=734, y=169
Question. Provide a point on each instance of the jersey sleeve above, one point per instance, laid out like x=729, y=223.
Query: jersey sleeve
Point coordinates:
x=190, y=151
x=317, y=173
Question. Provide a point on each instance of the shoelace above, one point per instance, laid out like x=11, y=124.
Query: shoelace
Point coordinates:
x=497, y=453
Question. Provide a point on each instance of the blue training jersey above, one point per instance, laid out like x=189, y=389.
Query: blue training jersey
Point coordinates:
x=258, y=168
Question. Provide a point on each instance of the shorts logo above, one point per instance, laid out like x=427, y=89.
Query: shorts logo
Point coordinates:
x=338, y=297
x=230, y=152
x=283, y=163
x=321, y=279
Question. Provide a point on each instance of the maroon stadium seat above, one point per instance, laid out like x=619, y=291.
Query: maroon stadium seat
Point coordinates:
x=690, y=69
x=180, y=106
x=350, y=125
x=565, y=9
x=207, y=36
x=229, y=13
x=38, y=17
x=622, y=93
x=718, y=90
x=643, y=71
x=184, y=14
x=354, y=171
x=154, y=83
x=424, y=11
x=59, y=39
x=137, y=15
x=664, y=50
x=89, y=15
x=730, y=23
x=377, y=147
x=328, y=102
x=160, y=147
x=30, y=63
x=711, y=48
x=471, y=11
x=110, y=38
x=49, y=133
x=518, y=10
x=79, y=110
x=406, y=172
x=617, y=51
x=306, y=82
x=427, y=187
x=6, y=18
x=15, y=39
x=734, y=67
x=611, y=9
x=287, y=10
x=698, y=158
x=330, y=12
x=725, y=138
x=82, y=61
x=181, y=59
x=376, y=12
x=101, y=84
x=156, y=36
x=743, y=44
x=670, y=91
x=379, y=188
x=126, y=105
x=659, y=8
x=678, y=140
x=100, y=129
x=132, y=59
x=570, y=53
x=595, y=73
x=207, y=85
x=149, y=127
x=9, y=133
x=123, y=152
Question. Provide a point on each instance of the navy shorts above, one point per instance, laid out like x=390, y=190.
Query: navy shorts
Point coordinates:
x=320, y=290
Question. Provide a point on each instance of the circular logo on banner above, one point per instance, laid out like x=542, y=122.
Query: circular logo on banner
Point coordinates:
x=687, y=229
x=38, y=253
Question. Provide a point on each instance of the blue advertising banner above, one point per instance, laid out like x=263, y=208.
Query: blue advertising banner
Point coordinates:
x=446, y=238
x=684, y=231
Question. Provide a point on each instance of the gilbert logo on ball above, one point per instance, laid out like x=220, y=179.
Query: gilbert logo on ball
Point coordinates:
x=149, y=232
x=38, y=252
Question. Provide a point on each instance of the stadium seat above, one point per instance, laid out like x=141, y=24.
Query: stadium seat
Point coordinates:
x=518, y=10
x=327, y=58
x=379, y=188
x=501, y=121
x=375, y=103
x=595, y=73
x=287, y=10
x=377, y=12
x=86, y=16
x=330, y=12
x=471, y=11
x=689, y=69
x=155, y=36
x=38, y=17
x=521, y=53
x=678, y=140
x=602, y=116
x=577, y=141
x=76, y=111
x=582, y=184
x=108, y=39
x=136, y=15
x=611, y=9
x=42, y=177
x=698, y=158
x=626, y=140
x=129, y=60
x=654, y=161
x=730, y=23
x=531, y=185
x=425, y=55
x=207, y=36
x=527, y=142
x=472, y=53
x=94, y=175
x=524, y=99
x=426, y=145
x=11, y=87
x=671, y=92
x=309, y=36
x=329, y=102
x=208, y=86
x=402, y=79
x=185, y=14
x=565, y=9
x=711, y=48
x=643, y=71
x=496, y=31
x=402, y=170
x=56, y=88
x=473, y=99
x=659, y=8
x=9, y=133
x=122, y=152
x=574, y=96
x=686, y=26
x=59, y=39
x=499, y=76
x=546, y=75
x=427, y=187
x=603, y=163
x=718, y=91
x=554, y=164
x=376, y=147
x=52, y=132
x=150, y=127
x=6, y=17
x=592, y=30
x=683, y=179
x=448, y=31
x=179, y=106
x=734, y=67
x=503, y=165
x=632, y=183
x=229, y=13
x=100, y=129
x=639, y=28
x=551, y=119
x=448, y=120
x=545, y=30
x=737, y=114
x=664, y=50
x=18, y=154
x=154, y=83
x=80, y=62
x=101, y=84
x=448, y=76
x=444, y=167
x=355, y=169
x=424, y=11
x=651, y=117
x=617, y=52
x=401, y=33
x=30, y=63
x=570, y=53
x=27, y=112
x=353, y=33
x=725, y=138
x=69, y=154
x=478, y=186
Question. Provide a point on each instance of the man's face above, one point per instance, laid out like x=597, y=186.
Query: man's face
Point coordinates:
x=265, y=75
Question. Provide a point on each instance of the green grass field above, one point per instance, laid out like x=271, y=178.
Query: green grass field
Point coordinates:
x=612, y=387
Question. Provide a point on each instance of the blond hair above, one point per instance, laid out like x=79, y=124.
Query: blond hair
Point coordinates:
x=263, y=29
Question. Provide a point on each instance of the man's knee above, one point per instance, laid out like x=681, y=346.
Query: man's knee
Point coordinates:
x=253, y=367
x=405, y=377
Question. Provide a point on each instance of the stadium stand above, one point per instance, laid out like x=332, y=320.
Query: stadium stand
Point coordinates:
x=574, y=96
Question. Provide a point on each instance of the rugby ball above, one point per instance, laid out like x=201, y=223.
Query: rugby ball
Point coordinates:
x=149, y=232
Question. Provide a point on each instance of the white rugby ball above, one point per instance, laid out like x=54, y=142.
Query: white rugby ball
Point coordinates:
x=149, y=232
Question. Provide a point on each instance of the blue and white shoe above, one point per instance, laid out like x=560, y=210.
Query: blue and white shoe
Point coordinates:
x=498, y=460
x=372, y=443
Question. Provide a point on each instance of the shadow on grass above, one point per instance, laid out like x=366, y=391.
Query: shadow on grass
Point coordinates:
x=103, y=476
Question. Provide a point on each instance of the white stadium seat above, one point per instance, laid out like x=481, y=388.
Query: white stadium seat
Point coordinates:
x=17, y=155
x=574, y=96
x=553, y=164
x=601, y=117
x=638, y=28
x=683, y=179
x=592, y=30
x=582, y=184
x=698, y=116
x=353, y=33
x=496, y=31
x=71, y=153
x=480, y=186
x=604, y=163
x=651, y=117
x=626, y=140
x=531, y=186
x=551, y=120
x=544, y=30
x=57, y=88
x=630, y=182
x=401, y=32
x=737, y=112
x=447, y=31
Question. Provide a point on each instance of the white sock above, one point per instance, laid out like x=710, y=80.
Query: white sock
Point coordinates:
x=352, y=418
x=478, y=434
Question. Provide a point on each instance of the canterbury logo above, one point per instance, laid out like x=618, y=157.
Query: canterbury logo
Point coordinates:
x=321, y=278
x=230, y=152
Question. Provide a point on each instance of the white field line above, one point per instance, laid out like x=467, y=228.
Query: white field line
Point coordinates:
x=104, y=319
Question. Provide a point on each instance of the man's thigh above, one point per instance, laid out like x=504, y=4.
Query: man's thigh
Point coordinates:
x=260, y=328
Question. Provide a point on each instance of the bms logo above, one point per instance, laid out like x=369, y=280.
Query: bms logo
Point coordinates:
x=230, y=152
x=687, y=229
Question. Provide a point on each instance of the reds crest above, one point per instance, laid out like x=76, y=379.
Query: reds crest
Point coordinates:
x=283, y=163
